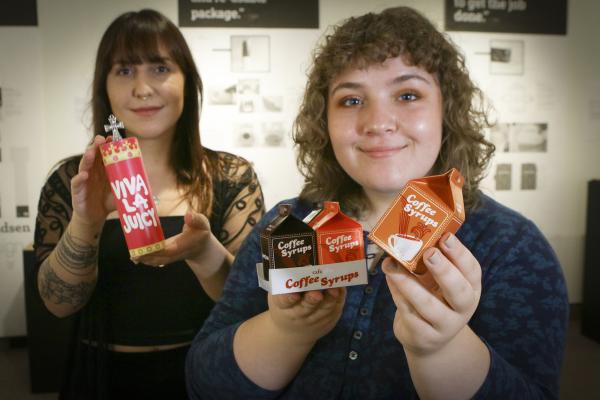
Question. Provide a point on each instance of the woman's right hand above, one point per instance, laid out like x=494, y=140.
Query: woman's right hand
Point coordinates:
x=90, y=190
x=307, y=316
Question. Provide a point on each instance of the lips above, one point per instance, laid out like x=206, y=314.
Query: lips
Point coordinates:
x=381, y=151
x=146, y=111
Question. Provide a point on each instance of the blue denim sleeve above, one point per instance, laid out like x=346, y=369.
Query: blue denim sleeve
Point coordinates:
x=523, y=313
x=211, y=369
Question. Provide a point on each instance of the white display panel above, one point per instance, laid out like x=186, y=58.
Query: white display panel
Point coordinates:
x=22, y=164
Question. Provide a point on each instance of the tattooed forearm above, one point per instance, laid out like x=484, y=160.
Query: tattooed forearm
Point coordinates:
x=57, y=291
x=75, y=255
x=67, y=277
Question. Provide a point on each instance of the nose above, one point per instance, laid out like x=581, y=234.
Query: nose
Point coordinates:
x=142, y=89
x=379, y=118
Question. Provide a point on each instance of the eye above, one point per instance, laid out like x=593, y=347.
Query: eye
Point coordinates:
x=409, y=96
x=123, y=70
x=161, y=69
x=351, y=101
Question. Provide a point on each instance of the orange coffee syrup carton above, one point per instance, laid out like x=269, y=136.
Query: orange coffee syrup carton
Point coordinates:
x=425, y=209
x=339, y=237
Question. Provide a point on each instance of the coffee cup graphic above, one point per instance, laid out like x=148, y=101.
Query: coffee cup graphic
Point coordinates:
x=405, y=247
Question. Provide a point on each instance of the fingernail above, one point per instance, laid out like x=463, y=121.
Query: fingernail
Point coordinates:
x=434, y=257
x=388, y=267
x=450, y=241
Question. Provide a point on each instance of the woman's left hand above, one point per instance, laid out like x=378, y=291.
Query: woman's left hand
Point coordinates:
x=195, y=244
x=426, y=321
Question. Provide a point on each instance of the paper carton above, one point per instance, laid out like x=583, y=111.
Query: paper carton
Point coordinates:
x=339, y=237
x=287, y=242
x=289, y=252
x=424, y=210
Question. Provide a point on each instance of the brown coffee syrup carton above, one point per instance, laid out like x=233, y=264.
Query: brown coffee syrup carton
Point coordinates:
x=287, y=242
x=425, y=209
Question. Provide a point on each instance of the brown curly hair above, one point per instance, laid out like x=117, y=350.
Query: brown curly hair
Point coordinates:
x=371, y=39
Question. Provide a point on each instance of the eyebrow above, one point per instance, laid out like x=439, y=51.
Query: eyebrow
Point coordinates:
x=399, y=79
x=407, y=77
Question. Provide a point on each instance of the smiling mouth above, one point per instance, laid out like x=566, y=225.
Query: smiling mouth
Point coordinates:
x=146, y=111
x=382, y=151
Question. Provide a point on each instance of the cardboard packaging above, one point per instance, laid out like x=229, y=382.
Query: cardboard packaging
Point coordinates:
x=129, y=184
x=289, y=252
x=287, y=242
x=339, y=237
x=425, y=209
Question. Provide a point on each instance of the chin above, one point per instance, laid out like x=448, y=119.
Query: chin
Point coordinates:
x=384, y=188
x=393, y=185
x=149, y=133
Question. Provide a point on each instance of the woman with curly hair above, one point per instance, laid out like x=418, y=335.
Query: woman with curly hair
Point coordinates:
x=389, y=99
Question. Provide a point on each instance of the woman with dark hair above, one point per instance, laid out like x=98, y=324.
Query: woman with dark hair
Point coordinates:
x=389, y=99
x=136, y=320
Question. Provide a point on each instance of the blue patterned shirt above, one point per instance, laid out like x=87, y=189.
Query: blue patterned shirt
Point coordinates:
x=521, y=317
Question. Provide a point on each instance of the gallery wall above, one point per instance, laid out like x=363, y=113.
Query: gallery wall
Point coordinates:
x=546, y=100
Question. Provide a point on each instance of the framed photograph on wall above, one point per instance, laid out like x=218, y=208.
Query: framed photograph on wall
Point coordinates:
x=274, y=134
x=250, y=53
x=520, y=137
x=503, y=177
x=222, y=95
x=528, y=176
x=245, y=135
x=507, y=57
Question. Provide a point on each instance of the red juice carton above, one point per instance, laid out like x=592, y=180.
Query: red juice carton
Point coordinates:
x=129, y=184
x=339, y=237
x=425, y=209
x=289, y=253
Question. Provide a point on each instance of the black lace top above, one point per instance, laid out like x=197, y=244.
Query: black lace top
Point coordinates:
x=139, y=305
